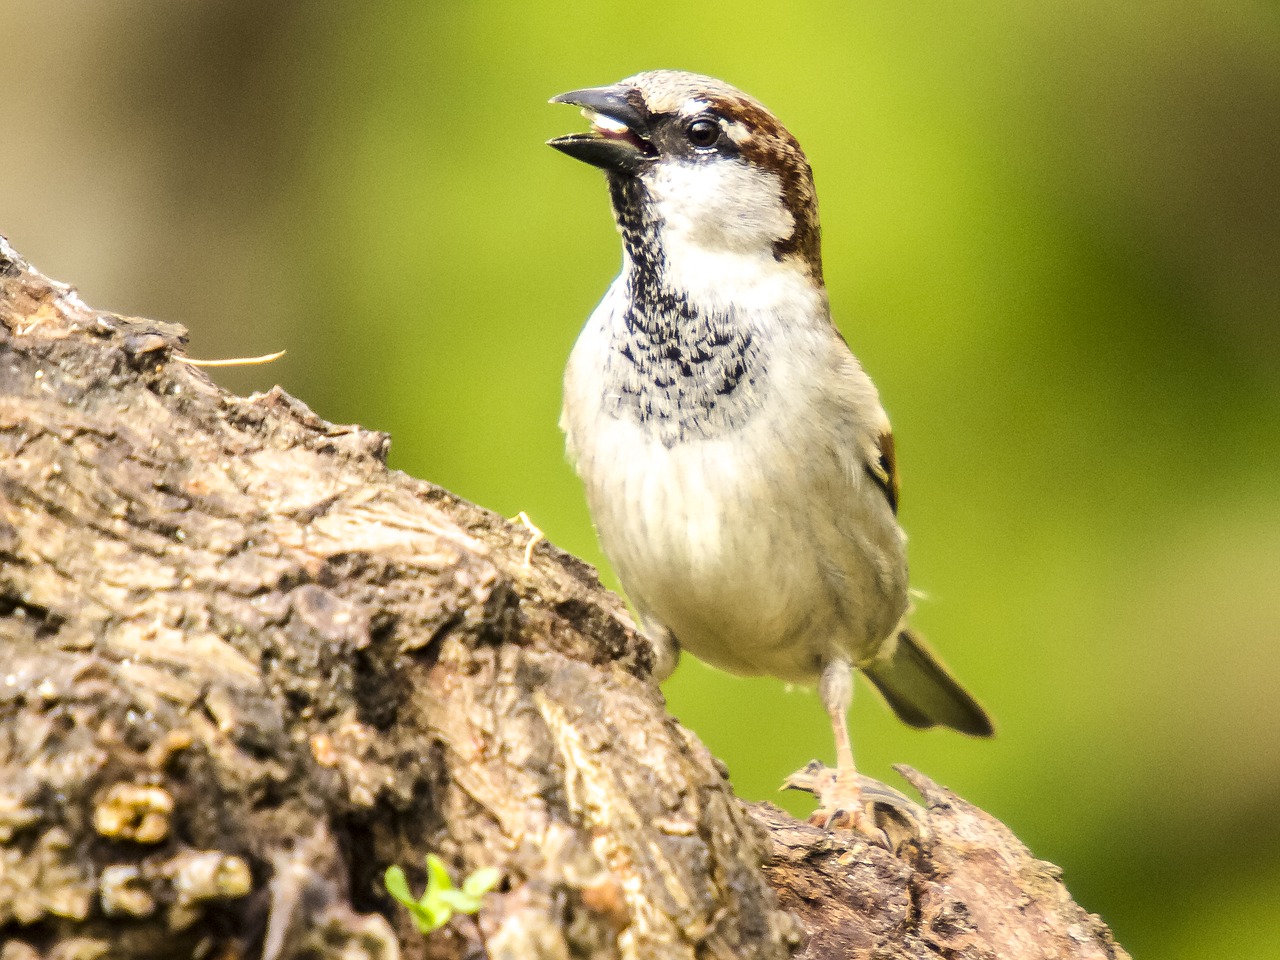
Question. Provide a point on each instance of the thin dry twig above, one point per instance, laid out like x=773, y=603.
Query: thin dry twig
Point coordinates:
x=235, y=361
x=536, y=537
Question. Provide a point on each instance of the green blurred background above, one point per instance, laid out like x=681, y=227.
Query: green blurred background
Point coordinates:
x=1052, y=234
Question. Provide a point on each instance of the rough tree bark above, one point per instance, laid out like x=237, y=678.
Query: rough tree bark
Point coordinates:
x=244, y=667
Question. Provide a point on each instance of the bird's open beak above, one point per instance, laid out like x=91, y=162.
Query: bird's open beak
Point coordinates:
x=619, y=126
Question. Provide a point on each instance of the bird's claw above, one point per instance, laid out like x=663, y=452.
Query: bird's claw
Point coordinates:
x=807, y=777
x=859, y=804
x=854, y=820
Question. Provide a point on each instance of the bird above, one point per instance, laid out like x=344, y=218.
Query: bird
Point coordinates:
x=737, y=462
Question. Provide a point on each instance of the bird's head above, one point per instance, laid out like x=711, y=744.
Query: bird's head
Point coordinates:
x=695, y=164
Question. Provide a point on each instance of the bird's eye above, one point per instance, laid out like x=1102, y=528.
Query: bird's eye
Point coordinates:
x=703, y=132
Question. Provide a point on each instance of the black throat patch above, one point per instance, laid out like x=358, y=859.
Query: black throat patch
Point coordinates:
x=679, y=371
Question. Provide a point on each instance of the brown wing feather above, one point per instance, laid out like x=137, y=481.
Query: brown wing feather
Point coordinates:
x=884, y=469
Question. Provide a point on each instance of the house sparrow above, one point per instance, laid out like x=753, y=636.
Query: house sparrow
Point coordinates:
x=737, y=462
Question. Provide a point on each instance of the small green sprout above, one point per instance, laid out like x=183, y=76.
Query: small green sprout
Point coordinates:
x=441, y=900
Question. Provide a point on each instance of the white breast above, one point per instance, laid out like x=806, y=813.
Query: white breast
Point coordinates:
x=764, y=549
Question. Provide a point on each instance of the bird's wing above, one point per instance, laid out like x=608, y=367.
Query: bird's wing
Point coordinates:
x=857, y=395
x=883, y=467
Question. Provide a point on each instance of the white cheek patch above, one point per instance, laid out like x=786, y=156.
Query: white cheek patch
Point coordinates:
x=721, y=204
x=720, y=222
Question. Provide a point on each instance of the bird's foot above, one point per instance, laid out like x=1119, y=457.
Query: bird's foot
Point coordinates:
x=852, y=817
x=857, y=803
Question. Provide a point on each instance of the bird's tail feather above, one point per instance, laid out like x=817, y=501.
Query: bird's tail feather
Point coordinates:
x=922, y=692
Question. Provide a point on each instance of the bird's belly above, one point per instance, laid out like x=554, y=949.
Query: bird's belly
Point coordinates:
x=723, y=544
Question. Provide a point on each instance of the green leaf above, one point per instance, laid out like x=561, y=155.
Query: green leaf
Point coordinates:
x=427, y=915
x=398, y=886
x=481, y=882
x=437, y=875
x=457, y=900
x=430, y=916
x=440, y=900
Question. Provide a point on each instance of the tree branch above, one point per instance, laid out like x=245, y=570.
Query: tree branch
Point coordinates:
x=244, y=668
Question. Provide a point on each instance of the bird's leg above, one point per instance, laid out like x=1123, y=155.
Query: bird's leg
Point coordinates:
x=840, y=795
